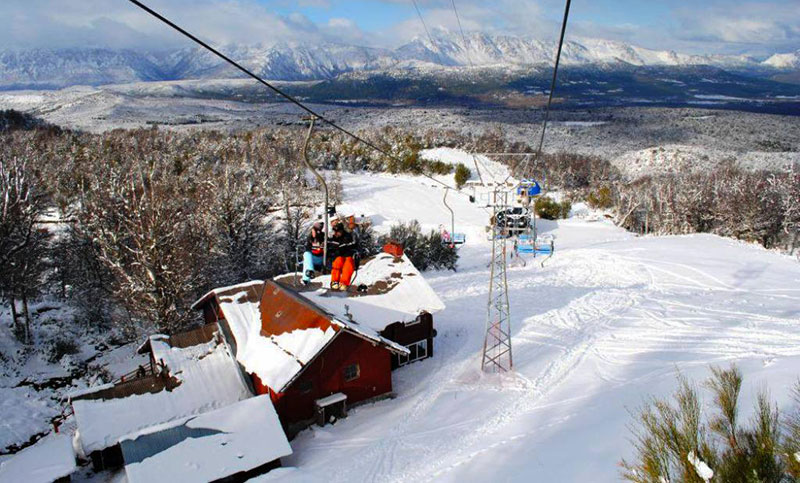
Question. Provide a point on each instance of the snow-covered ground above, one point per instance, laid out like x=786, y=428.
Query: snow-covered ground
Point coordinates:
x=682, y=158
x=700, y=137
x=610, y=320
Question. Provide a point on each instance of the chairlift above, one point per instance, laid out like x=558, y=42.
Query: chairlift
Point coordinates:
x=451, y=238
x=527, y=190
x=529, y=244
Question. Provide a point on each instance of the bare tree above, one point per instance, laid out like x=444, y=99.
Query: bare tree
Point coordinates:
x=22, y=246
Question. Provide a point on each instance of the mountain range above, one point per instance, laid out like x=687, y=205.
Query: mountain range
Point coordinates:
x=57, y=68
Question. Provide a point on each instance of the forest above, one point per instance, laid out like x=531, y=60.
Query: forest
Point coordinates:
x=131, y=226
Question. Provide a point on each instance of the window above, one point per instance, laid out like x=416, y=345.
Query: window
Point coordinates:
x=351, y=372
x=418, y=350
x=402, y=360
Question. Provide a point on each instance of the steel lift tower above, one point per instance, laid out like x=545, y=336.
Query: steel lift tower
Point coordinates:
x=497, y=342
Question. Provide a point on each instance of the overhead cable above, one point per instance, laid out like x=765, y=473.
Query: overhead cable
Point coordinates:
x=552, y=88
x=275, y=89
x=463, y=37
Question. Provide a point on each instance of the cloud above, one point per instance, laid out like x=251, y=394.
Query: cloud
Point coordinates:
x=102, y=23
x=749, y=26
x=729, y=26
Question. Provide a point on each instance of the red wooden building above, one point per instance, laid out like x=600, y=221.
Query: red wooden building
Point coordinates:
x=391, y=297
x=304, y=357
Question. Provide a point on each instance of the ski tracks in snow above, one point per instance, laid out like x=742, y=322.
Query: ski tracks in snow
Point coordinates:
x=573, y=328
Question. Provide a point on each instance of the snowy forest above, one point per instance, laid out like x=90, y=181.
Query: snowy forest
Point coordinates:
x=132, y=226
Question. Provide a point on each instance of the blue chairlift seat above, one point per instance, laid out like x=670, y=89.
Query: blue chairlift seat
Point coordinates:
x=459, y=238
x=529, y=188
x=527, y=244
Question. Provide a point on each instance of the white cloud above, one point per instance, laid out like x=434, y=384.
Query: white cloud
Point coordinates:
x=116, y=24
x=713, y=26
x=747, y=26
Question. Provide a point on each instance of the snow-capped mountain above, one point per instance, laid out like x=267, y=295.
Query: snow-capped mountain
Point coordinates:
x=49, y=68
x=789, y=60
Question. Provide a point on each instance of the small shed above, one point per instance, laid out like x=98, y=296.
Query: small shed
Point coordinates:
x=296, y=351
x=189, y=381
x=234, y=443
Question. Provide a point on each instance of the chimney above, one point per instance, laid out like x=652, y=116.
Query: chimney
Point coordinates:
x=393, y=248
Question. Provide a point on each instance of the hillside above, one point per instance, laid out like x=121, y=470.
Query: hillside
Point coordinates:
x=610, y=319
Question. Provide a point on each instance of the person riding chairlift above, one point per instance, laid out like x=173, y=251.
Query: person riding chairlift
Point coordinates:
x=343, y=247
x=313, y=255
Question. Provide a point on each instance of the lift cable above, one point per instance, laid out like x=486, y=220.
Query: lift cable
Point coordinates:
x=463, y=37
x=552, y=89
x=427, y=32
x=273, y=88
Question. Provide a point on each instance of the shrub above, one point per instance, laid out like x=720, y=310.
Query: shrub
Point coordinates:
x=438, y=167
x=424, y=251
x=600, y=199
x=566, y=207
x=791, y=446
x=674, y=443
x=462, y=175
x=61, y=347
x=548, y=208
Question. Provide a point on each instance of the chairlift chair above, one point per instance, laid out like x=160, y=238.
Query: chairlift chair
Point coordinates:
x=451, y=238
x=529, y=244
x=527, y=190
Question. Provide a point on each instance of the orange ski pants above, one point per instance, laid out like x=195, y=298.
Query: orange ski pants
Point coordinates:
x=342, y=270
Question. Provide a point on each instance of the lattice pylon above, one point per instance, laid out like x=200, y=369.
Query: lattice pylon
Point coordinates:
x=497, y=342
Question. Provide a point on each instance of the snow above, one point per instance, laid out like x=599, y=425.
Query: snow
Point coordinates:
x=332, y=399
x=243, y=436
x=304, y=344
x=277, y=359
x=48, y=460
x=671, y=158
x=409, y=296
x=209, y=379
x=789, y=60
x=702, y=469
x=610, y=320
x=480, y=166
x=586, y=123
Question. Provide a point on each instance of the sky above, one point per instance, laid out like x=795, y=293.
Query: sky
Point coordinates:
x=702, y=26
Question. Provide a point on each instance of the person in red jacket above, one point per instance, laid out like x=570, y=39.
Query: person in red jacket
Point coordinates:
x=342, y=246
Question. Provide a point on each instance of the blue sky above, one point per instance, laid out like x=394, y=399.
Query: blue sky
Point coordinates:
x=701, y=26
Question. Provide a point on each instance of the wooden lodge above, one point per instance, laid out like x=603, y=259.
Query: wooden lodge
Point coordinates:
x=309, y=349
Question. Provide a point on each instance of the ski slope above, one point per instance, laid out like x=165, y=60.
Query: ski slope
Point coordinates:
x=611, y=319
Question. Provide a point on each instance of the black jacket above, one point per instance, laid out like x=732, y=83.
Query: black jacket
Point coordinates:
x=341, y=244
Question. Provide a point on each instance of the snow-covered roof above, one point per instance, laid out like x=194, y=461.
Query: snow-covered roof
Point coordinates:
x=208, y=379
x=253, y=286
x=48, y=460
x=275, y=359
x=277, y=355
x=396, y=292
x=208, y=447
